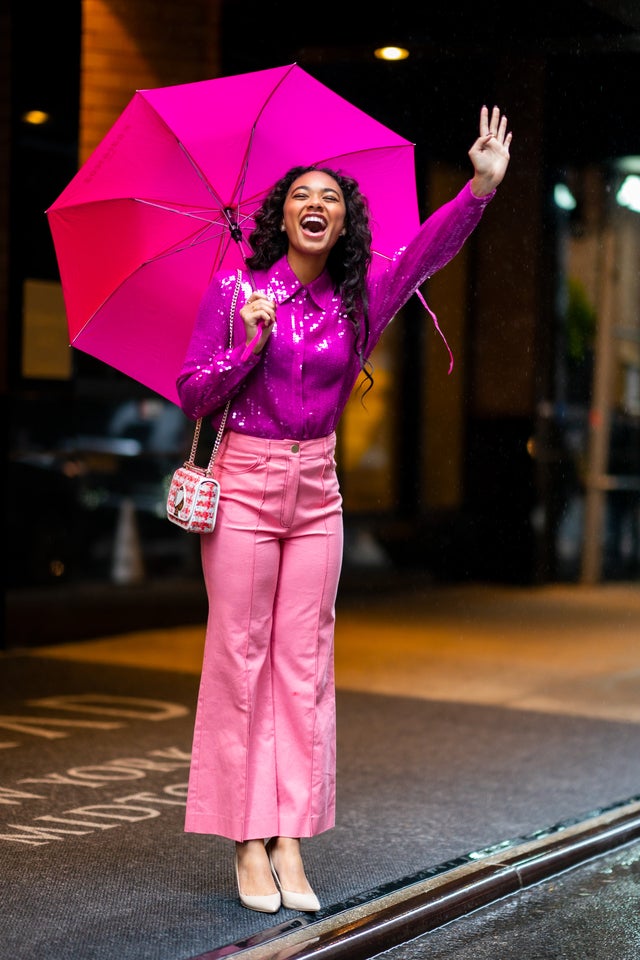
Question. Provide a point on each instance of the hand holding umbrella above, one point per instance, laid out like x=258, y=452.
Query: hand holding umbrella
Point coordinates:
x=258, y=315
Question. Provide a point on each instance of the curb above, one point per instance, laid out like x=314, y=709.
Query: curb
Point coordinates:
x=372, y=923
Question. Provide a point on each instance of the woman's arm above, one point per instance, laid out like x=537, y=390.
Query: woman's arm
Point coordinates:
x=444, y=233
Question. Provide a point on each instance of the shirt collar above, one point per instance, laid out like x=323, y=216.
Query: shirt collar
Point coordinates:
x=284, y=284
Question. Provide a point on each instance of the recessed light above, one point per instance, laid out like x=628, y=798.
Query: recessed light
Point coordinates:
x=391, y=53
x=35, y=117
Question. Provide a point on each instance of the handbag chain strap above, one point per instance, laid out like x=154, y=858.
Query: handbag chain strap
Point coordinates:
x=196, y=432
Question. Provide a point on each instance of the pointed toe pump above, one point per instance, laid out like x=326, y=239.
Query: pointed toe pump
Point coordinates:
x=305, y=902
x=266, y=903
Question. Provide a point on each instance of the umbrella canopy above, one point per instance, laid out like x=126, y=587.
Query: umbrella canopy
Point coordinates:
x=168, y=196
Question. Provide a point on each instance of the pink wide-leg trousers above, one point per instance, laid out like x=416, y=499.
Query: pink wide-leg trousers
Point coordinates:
x=264, y=756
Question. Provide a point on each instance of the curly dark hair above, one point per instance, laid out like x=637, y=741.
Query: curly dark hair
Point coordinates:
x=348, y=261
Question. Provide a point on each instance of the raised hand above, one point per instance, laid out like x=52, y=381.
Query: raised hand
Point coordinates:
x=490, y=152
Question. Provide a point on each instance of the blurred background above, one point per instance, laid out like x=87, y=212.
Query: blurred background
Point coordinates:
x=522, y=466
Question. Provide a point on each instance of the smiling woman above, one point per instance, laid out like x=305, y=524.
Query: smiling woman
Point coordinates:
x=314, y=219
x=315, y=305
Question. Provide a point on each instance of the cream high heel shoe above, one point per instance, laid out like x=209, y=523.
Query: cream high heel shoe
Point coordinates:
x=264, y=903
x=307, y=902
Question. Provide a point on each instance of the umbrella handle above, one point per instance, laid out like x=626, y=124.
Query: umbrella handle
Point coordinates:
x=248, y=350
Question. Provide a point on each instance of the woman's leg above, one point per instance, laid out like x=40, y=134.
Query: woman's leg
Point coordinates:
x=302, y=673
x=263, y=759
x=286, y=857
x=232, y=788
x=255, y=878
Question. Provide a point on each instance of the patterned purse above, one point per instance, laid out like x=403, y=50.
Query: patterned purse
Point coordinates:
x=192, y=500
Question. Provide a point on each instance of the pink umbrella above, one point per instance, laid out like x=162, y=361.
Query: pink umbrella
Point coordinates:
x=167, y=198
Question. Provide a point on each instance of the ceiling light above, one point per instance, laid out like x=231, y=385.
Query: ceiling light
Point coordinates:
x=35, y=117
x=391, y=53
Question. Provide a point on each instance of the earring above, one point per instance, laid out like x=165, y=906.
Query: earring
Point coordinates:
x=282, y=227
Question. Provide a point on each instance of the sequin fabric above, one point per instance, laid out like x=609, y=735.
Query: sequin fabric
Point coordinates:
x=298, y=386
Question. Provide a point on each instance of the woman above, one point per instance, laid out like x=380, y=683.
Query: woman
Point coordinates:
x=263, y=763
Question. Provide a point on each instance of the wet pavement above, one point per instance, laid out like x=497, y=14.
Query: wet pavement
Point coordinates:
x=591, y=912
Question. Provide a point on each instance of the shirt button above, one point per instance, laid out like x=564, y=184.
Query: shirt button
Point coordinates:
x=295, y=447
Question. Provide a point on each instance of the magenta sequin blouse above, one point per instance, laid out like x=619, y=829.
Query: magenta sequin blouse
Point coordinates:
x=298, y=386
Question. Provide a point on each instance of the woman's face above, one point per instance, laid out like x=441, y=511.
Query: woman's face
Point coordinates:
x=314, y=214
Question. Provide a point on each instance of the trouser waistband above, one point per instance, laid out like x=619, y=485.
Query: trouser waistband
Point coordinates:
x=321, y=446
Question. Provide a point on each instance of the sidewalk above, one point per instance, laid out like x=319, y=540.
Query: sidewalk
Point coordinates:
x=565, y=651
x=559, y=649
